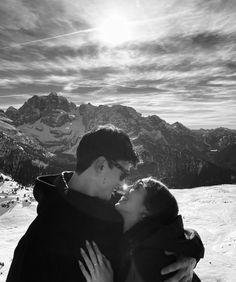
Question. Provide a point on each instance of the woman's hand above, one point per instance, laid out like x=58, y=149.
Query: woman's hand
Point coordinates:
x=99, y=267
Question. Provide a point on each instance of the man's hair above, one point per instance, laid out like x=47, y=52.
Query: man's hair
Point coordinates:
x=159, y=201
x=108, y=141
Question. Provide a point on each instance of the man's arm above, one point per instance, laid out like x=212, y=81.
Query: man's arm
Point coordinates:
x=196, y=248
x=40, y=265
x=185, y=265
x=41, y=259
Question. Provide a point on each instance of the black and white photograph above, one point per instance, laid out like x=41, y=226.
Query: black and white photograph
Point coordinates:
x=117, y=141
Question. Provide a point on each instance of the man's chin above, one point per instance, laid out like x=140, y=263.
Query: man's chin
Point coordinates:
x=107, y=196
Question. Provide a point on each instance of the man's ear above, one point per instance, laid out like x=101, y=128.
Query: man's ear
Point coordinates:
x=99, y=163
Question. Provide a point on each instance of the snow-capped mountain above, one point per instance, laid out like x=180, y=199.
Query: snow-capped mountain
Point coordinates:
x=172, y=152
x=20, y=155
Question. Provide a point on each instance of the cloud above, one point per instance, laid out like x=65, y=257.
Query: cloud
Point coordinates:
x=15, y=15
x=76, y=88
x=179, y=63
x=98, y=73
x=25, y=21
x=13, y=100
x=136, y=90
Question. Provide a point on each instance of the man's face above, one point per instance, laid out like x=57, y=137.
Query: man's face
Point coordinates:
x=113, y=176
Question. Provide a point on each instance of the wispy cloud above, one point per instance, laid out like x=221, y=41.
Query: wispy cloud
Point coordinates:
x=179, y=62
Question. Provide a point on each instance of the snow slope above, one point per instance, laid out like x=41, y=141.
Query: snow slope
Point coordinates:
x=209, y=210
x=14, y=220
x=212, y=212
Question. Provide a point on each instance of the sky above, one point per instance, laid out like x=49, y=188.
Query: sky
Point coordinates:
x=171, y=58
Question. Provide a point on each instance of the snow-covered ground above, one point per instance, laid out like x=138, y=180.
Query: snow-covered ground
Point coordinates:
x=17, y=211
x=212, y=212
x=209, y=210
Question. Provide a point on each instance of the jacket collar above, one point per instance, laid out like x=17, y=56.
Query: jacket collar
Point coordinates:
x=93, y=206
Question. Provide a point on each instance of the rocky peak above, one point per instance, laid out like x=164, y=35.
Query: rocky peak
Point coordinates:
x=180, y=127
x=37, y=107
x=12, y=113
x=121, y=116
x=128, y=112
x=47, y=103
x=4, y=118
x=157, y=121
x=52, y=94
x=2, y=114
x=86, y=108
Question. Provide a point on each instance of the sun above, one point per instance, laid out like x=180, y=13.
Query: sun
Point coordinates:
x=115, y=30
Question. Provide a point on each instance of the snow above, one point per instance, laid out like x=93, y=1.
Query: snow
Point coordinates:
x=14, y=219
x=6, y=126
x=39, y=163
x=209, y=210
x=45, y=134
x=212, y=212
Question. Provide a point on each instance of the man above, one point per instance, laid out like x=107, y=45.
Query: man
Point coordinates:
x=74, y=207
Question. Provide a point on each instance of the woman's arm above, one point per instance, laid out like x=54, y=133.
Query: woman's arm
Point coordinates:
x=96, y=268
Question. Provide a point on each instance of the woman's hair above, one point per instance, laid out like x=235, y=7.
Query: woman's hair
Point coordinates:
x=159, y=201
x=108, y=141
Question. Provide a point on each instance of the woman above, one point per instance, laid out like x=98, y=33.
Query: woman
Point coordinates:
x=151, y=226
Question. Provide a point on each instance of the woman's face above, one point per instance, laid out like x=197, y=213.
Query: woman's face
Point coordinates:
x=132, y=202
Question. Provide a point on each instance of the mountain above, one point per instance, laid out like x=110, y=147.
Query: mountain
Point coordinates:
x=50, y=120
x=222, y=146
x=177, y=155
x=20, y=155
x=41, y=108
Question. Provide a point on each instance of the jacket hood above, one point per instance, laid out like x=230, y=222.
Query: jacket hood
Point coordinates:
x=46, y=191
x=51, y=191
x=43, y=185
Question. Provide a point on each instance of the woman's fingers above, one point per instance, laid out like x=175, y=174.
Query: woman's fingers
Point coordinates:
x=87, y=260
x=95, y=267
x=98, y=253
x=92, y=254
x=84, y=271
x=107, y=263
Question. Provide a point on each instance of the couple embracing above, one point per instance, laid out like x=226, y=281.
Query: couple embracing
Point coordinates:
x=84, y=231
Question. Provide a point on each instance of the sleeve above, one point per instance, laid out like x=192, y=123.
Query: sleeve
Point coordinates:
x=189, y=244
x=196, y=245
x=39, y=259
x=149, y=263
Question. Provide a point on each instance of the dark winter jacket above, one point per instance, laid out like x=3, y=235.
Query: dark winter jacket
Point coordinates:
x=144, y=247
x=50, y=249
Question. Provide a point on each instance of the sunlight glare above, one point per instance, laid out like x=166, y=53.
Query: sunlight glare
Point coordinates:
x=125, y=187
x=115, y=30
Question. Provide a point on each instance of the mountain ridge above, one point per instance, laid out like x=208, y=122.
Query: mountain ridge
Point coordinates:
x=171, y=152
